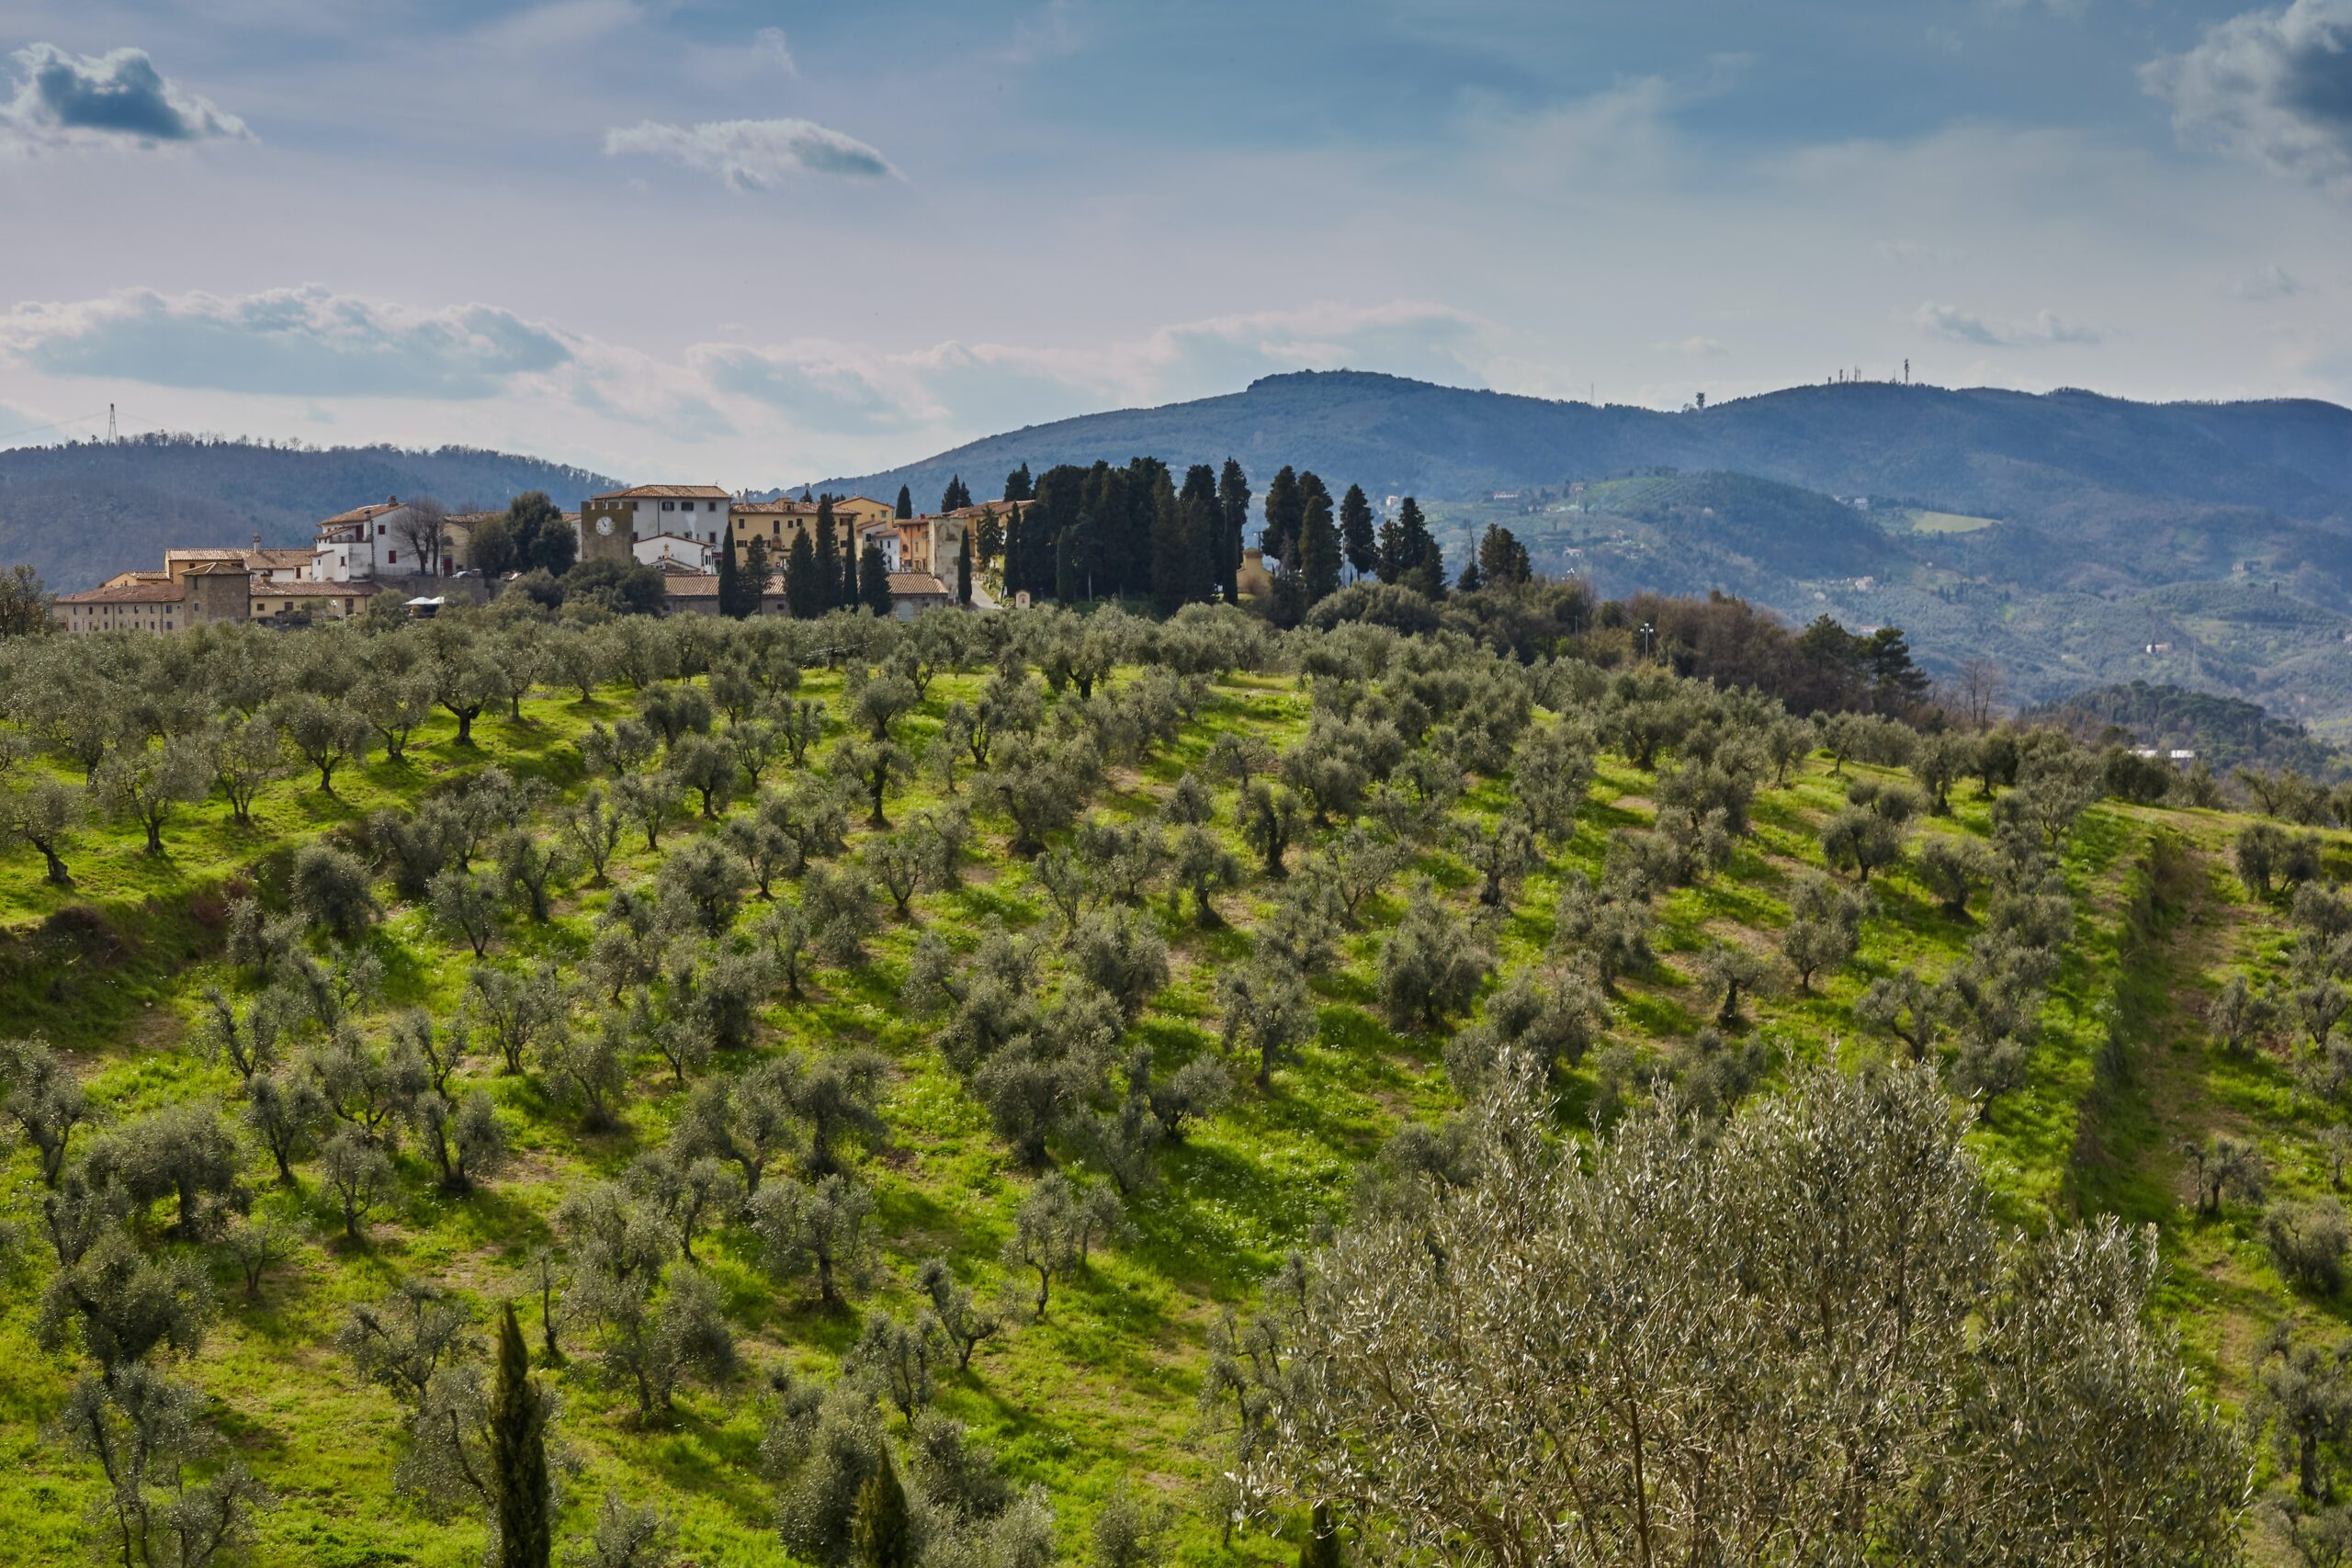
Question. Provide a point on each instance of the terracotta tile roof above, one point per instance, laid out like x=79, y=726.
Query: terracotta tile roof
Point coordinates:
x=229, y=553
x=276, y=555
x=128, y=594
x=916, y=585
x=220, y=568
x=668, y=493
x=691, y=585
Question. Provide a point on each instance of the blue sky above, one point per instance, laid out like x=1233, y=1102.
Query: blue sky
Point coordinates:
x=761, y=242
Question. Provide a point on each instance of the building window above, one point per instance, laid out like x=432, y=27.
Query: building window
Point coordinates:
x=669, y=505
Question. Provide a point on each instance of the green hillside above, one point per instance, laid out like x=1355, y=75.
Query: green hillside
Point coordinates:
x=843, y=917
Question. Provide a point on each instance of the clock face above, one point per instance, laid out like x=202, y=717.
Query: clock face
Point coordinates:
x=604, y=524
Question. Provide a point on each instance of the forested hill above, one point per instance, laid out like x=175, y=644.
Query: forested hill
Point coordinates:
x=81, y=512
x=1999, y=453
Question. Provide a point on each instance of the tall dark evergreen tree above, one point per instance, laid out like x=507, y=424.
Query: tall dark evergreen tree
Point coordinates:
x=1018, y=485
x=1233, y=504
x=730, y=585
x=1357, y=541
x=1284, y=508
x=1502, y=560
x=880, y=1534
x=829, y=558
x=989, y=537
x=759, y=574
x=1067, y=582
x=1172, y=558
x=804, y=593
x=874, y=580
x=1318, y=546
x=853, y=592
x=905, y=502
x=963, y=570
x=956, y=494
x=518, y=1454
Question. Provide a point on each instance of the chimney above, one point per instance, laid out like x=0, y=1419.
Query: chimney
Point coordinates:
x=257, y=541
x=391, y=501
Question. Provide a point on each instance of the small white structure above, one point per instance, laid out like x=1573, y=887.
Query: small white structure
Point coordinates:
x=674, y=550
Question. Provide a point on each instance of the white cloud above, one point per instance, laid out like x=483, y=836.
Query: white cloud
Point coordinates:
x=2272, y=86
x=2272, y=282
x=851, y=389
x=117, y=99
x=1694, y=347
x=770, y=43
x=1991, y=331
x=305, y=342
x=752, y=154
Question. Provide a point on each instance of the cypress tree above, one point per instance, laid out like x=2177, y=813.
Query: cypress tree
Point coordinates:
x=879, y=1537
x=1171, y=562
x=874, y=580
x=1284, y=508
x=829, y=558
x=1356, y=539
x=1233, y=503
x=905, y=501
x=852, y=596
x=1318, y=548
x=1321, y=1546
x=963, y=570
x=802, y=593
x=518, y=1454
x=730, y=591
x=1066, y=583
x=759, y=572
x=1015, y=552
x=956, y=495
x=1018, y=486
x=990, y=533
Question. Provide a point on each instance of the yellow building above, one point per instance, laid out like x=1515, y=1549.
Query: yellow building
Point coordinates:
x=859, y=510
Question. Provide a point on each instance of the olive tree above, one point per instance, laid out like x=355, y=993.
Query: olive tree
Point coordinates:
x=1802, y=1336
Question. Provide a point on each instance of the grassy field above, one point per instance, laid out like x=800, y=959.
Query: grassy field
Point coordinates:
x=1101, y=1397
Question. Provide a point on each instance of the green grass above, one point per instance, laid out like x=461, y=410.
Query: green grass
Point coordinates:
x=1100, y=1396
x=1924, y=521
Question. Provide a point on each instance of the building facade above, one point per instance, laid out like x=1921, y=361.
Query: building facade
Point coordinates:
x=611, y=525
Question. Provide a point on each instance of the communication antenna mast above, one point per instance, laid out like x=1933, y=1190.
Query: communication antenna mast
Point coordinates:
x=111, y=438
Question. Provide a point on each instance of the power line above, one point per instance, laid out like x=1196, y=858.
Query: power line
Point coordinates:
x=78, y=419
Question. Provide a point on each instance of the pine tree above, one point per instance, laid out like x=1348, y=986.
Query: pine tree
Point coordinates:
x=956, y=496
x=905, y=502
x=1018, y=486
x=1233, y=503
x=518, y=1454
x=1318, y=546
x=1356, y=537
x=829, y=558
x=1284, y=508
x=1471, y=580
x=803, y=589
x=878, y=1536
x=874, y=580
x=731, y=588
x=963, y=570
x=1321, y=1546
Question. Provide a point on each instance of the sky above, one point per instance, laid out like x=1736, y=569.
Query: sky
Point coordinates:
x=752, y=244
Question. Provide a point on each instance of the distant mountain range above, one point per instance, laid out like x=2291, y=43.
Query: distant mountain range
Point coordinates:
x=81, y=512
x=2001, y=454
